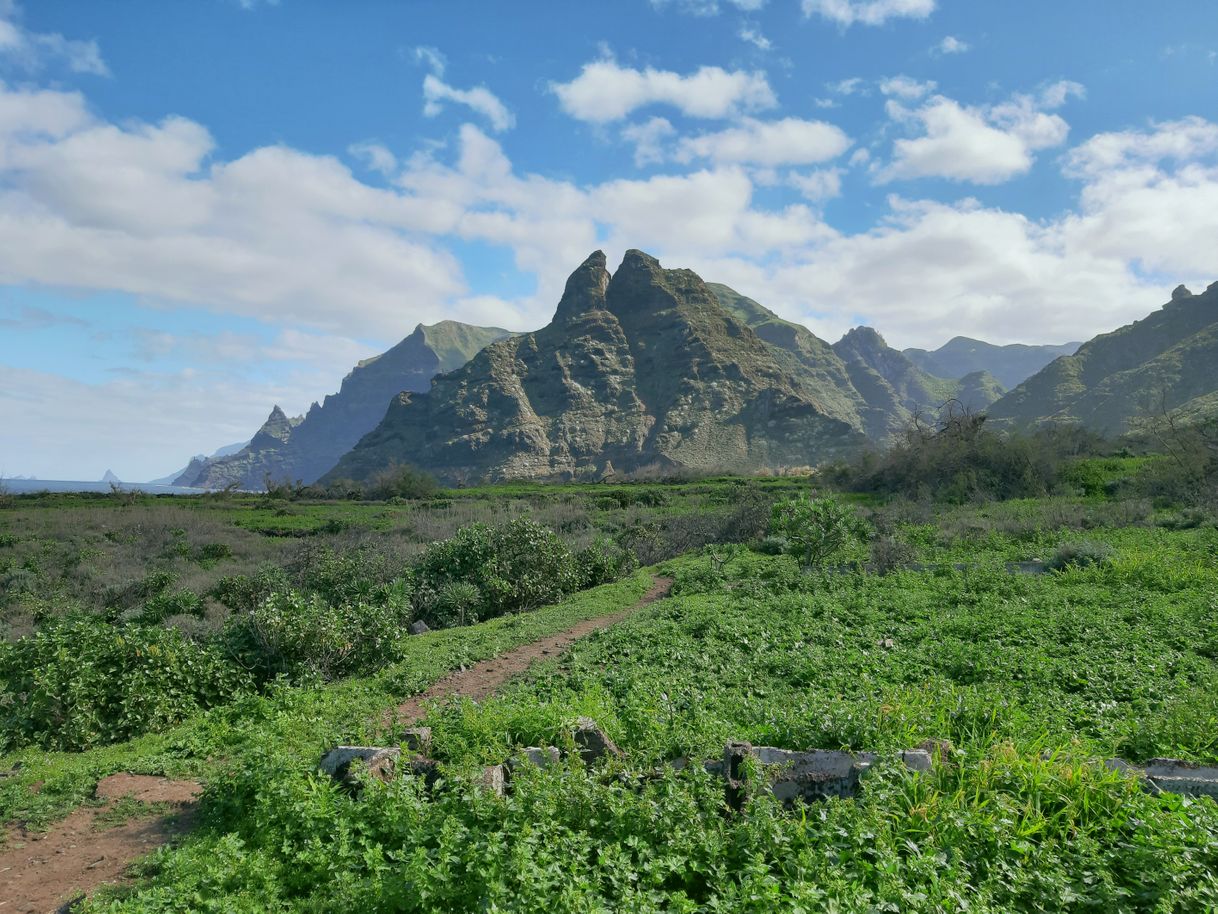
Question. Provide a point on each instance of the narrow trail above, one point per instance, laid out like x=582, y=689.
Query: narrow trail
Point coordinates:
x=45, y=873
x=485, y=677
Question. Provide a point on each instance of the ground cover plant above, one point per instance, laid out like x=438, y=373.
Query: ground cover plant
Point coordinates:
x=1031, y=678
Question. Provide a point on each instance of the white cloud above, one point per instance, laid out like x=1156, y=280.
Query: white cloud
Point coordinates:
x=981, y=145
x=375, y=156
x=850, y=86
x=906, y=87
x=604, y=91
x=951, y=45
x=480, y=99
x=32, y=51
x=707, y=7
x=753, y=36
x=432, y=58
x=818, y=186
x=789, y=141
x=868, y=12
x=651, y=140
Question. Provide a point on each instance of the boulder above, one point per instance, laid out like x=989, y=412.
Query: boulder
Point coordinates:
x=592, y=742
x=417, y=739
x=536, y=756
x=419, y=628
x=1172, y=775
x=494, y=779
x=380, y=762
x=807, y=776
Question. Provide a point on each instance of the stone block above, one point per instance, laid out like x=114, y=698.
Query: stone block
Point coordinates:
x=380, y=762
x=417, y=739
x=594, y=743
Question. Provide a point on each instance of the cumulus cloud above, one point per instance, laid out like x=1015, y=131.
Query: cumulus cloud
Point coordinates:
x=981, y=145
x=818, y=186
x=906, y=87
x=605, y=91
x=651, y=140
x=436, y=92
x=374, y=156
x=707, y=7
x=789, y=141
x=951, y=45
x=867, y=12
x=753, y=36
x=31, y=51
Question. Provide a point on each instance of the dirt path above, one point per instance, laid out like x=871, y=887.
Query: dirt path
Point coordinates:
x=41, y=873
x=483, y=678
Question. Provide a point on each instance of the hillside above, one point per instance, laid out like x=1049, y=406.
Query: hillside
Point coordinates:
x=1167, y=360
x=644, y=369
x=1010, y=365
x=304, y=448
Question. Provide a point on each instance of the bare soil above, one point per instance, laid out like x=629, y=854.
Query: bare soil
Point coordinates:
x=45, y=873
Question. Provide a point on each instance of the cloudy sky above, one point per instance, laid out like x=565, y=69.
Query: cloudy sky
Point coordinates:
x=212, y=207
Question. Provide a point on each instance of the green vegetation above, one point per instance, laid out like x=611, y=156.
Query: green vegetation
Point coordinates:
x=872, y=620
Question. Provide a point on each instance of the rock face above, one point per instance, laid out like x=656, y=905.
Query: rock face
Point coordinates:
x=1010, y=365
x=291, y=450
x=1168, y=360
x=644, y=369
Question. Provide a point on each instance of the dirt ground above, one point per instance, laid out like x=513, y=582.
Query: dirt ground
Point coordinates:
x=45, y=873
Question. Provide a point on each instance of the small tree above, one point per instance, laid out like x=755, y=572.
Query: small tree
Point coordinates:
x=816, y=529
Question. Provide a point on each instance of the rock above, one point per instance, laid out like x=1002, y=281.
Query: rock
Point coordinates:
x=592, y=742
x=940, y=750
x=1179, y=292
x=917, y=760
x=417, y=739
x=807, y=776
x=1172, y=776
x=419, y=627
x=888, y=644
x=494, y=779
x=536, y=756
x=380, y=762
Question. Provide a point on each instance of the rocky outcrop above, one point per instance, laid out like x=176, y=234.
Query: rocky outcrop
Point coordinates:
x=300, y=450
x=645, y=368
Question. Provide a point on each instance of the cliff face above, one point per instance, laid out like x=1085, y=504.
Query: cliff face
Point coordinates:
x=1167, y=360
x=643, y=368
x=287, y=450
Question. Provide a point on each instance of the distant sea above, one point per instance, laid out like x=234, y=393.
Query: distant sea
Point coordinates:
x=18, y=486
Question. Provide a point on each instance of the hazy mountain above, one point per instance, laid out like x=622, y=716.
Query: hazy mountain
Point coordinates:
x=290, y=450
x=169, y=478
x=109, y=476
x=644, y=368
x=1168, y=360
x=1010, y=365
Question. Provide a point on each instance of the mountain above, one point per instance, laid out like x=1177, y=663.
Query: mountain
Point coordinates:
x=290, y=450
x=168, y=479
x=895, y=388
x=646, y=368
x=109, y=476
x=1166, y=361
x=1010, y=365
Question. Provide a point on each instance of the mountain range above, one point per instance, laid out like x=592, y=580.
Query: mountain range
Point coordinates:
x=654, y=369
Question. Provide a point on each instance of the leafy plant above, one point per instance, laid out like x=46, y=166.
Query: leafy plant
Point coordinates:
x=817, y=529
x=1083, y=554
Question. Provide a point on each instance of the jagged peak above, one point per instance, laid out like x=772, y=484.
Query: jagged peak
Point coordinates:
x=585, y=288
x=863, y=336
x=1181, y=292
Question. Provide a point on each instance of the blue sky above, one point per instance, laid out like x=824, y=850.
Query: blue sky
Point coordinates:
x=212, y=207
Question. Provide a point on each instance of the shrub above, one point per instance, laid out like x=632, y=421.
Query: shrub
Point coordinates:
x=163, y=605
x=303, y=637
x=890, y=554
x=244, y=592
x=1082, y=554
x=81, y=682
x=602, y=562
x=210, y=553
x=516, y=565
x=817, y=529
x=358, y=575
x=401, y=481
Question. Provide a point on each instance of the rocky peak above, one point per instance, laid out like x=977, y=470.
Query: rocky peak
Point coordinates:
x=1181, y=292
x=860, y=343
x=275, y=430
x=585, y=289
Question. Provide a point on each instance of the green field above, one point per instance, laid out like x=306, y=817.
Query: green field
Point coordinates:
x=1033, y=679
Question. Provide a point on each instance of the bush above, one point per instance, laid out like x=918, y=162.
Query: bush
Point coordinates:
x=817, y=529
x=359, y=575
x=516, y=565
x=244, y=592
x=1083, y=554
x=401, y=481
x=163, y=605
x=81, y=682
x=303, y=637
x=889, y=554
x=603, y=562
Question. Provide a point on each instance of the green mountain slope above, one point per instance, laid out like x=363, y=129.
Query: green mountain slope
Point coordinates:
x=301, y=450
x=1167, y=360
x=642, y=369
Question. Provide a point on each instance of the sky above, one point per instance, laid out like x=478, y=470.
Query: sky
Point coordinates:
x=209, y=208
